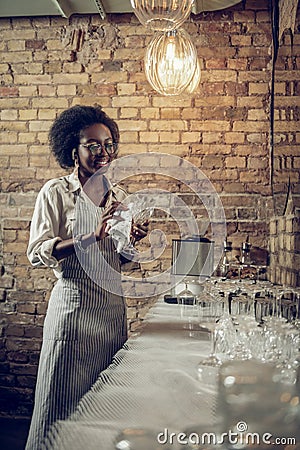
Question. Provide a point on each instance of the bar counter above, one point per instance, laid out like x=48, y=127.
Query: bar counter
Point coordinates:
x=150, y=397
x=151, y=387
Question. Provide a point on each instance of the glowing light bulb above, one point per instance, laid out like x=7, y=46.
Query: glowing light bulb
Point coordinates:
x=171, y=62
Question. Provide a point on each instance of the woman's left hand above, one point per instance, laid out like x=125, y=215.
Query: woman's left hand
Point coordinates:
x=139, y=231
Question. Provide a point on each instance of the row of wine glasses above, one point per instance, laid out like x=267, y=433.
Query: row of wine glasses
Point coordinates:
x=246, y=320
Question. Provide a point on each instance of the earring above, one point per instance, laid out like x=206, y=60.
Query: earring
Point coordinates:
x=74, y=154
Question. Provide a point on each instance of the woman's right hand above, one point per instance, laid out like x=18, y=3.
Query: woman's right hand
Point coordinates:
x=101, y=231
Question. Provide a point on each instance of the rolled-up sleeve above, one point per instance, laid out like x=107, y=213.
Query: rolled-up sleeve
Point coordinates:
x=44, y=228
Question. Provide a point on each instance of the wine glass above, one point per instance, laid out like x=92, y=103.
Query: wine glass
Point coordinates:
x=261, y=270
x=277, y=296
x=296, y=309
x=187, y=302
x=140, y=214
x=140, y=217
x=208, y=367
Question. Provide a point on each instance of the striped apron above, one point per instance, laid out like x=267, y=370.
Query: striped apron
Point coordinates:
x=84, y=327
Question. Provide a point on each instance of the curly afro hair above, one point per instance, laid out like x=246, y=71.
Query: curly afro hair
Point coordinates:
x=64, y=135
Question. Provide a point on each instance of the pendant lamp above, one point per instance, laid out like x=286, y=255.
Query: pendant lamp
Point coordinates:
x=162, y=15
x=194, y=83
x=171, y=62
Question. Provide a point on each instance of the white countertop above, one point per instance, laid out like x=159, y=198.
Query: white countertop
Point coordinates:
x=151, y=385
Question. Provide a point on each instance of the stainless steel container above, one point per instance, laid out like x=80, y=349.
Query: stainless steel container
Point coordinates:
x=192, y=257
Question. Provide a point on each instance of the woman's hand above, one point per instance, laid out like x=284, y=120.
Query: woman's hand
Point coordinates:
x=101, y=230
x=139, y=231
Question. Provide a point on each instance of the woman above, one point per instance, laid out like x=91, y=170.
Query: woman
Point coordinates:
x=85, y=323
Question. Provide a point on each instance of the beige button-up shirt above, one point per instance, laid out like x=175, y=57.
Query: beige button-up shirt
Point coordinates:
x=54, y=216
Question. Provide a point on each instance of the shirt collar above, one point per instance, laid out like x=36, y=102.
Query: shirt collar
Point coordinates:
x=75, y=185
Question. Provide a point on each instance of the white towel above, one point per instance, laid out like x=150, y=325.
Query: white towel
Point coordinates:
x=120, y=230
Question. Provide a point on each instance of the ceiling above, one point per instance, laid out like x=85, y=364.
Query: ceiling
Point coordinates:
x=65, y=8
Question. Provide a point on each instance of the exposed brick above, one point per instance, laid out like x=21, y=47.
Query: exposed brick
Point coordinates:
x=149, y=136
x=222, y=129
x=169, y=136
x=165, y=125
x=257, y=163
x=16, y=45
x=219, y=63
x=210, y=125
x=252, y=52
x=213, y=76
x=241, y=41
x=257, y=114
x=130, y=113
x=170, y=113
x=251, y=127
x=259, y=63
x=130, y=101
x=27, y=91
x=258, y=88
x=237, y=64
x=234, y=138
x=244, y=16
x=126, y=88
x=7, y=91
x=153, y=113
x=236, y=161
x=15, y=330
x=210, y=137
x=32, y=79
x=6, y=282
x=66, y=90
x=35, y=44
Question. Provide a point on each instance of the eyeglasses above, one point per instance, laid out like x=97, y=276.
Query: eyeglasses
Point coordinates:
x=109, y=147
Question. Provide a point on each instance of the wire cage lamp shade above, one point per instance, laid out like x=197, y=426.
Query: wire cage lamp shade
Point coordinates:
x=171, y=62
x=194, y=83
x=162, y=15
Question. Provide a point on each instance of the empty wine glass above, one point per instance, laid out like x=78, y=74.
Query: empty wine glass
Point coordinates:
x=187, y=303
x=141, y=212
x=140, y=217
x=287, y=362
x=226, y=334
x=277, y=296
x=207, y=367
x=261, y=270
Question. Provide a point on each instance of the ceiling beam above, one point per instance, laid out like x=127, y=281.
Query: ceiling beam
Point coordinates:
x=212, y=5
x=63, y=7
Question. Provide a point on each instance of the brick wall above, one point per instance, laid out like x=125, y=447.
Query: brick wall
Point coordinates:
x=285, y=246
x=49, y=64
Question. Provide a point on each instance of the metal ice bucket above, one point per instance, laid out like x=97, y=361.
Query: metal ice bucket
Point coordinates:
x=192, y=257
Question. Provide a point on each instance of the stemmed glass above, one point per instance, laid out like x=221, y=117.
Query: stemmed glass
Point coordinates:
x=186, y=293
x=226, y=333
x=210, y=308
x=140, y=217
x=207, y=366
x=288, y=362
x=296, y=309
x=260, y=272
x=276, y=297
x=187, y=302
x=140, y=214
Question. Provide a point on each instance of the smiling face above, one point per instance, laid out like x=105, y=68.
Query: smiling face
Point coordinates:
x=90, y=163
